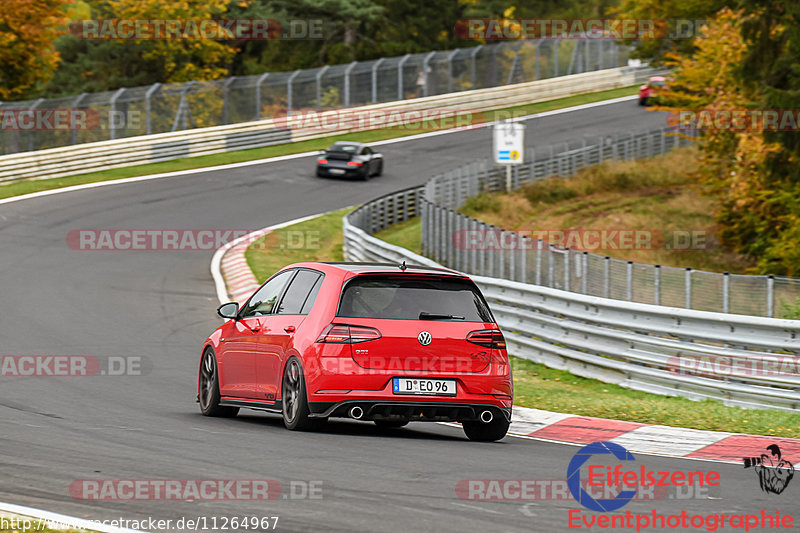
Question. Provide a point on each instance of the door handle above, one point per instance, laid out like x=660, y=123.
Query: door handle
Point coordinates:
x=289, y=329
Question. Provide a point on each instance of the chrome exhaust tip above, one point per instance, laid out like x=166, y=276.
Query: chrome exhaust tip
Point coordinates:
x=356, y=412
x=486, y=416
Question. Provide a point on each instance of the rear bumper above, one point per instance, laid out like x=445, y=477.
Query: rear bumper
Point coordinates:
x=409, y=410
x=349, y=172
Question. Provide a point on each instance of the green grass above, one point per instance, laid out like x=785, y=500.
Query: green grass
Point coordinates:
x=545, y=388
x=318, y=239
x=30, y=186
x=536, y=385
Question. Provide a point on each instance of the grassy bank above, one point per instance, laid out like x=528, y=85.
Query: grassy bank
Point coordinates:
x=29, y=186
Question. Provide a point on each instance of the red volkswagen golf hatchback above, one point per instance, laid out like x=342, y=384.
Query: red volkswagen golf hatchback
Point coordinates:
x=378, y=342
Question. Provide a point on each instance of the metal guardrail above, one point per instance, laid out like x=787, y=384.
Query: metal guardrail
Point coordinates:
x=70, y=160
x=170, y=107
x=739, y=360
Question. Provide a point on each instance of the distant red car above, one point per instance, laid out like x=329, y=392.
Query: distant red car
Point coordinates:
x=648, y=93
x=380, y=342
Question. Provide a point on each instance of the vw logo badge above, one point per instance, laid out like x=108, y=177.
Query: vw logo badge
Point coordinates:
x=424, y=338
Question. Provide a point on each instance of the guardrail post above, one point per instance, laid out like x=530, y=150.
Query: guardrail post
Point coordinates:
x=726, y=296
x=606, y=276
x=75, y=104
x=450, y=69
x=629, y=281
x=770, y=296
x=225, y=91
x=472, y=77
x=347, y=71
x=112, y=109
x=375, y=79
x=148, y=110
x=259, y=83
x=425, y=68
x=289, y=92
x=688, y=284
x=400, y=76
x=657, y=285
x=318, y=80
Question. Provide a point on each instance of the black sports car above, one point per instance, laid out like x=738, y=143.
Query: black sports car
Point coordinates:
x=350, y=159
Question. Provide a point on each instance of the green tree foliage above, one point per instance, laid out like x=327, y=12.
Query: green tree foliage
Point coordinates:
x=27, y=55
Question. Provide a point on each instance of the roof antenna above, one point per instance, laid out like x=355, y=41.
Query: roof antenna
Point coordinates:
x=403, y=266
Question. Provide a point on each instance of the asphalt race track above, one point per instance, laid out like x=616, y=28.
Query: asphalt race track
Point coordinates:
x=160, y=305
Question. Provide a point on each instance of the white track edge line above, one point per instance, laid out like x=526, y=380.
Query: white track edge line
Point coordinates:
x=62, y=519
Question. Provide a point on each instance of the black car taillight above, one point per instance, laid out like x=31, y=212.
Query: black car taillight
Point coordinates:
x=488, y=338
x=346, y=334
x=322, y=161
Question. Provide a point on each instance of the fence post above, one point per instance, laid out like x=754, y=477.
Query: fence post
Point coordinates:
x=629, y=281
x=75, y=104
x=523, y=260
x=536, y=53
x=585, y=272
x=375, y=79
x=112, y=127
x=567, y=267
x=347, y=71
x=225, y=91
x=148, y=110
x=289, y=92
x=400, y=76
x=556, y=42
x=770, y=295
x=606, y=276
x=425, y=68
x=318, y=79
x=688, y=283
x=259, y=82
x=450, y=69
x=472, y=78
x=539, y=261
x=551, y=267
x=657, y=285
x=726, y=294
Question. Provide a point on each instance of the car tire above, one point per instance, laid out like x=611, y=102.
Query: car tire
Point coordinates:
x=390, y=424
x=295, y=408
x=208, y=390
x=365, y=174
x=380, y=168
x=482, y=432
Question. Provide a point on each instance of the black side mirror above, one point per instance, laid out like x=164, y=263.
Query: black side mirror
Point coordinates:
x=228, y=310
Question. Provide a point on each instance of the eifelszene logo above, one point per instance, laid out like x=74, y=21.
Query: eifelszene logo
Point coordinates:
x=774, y=472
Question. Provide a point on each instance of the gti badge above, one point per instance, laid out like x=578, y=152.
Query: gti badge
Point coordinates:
x=424, y=338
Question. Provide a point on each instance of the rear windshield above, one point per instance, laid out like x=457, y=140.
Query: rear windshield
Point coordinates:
x=347, y=148
x=410, y=298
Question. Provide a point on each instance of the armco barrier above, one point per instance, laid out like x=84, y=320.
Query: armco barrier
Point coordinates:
x=82, y=158
x=740, y=360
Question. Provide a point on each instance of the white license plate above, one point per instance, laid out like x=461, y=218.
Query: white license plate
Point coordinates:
x=427, y=387
x=337, y=171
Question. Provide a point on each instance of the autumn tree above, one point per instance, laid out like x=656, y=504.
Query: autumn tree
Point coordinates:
x=27, y=54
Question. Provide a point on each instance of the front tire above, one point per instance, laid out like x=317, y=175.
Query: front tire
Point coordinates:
x=295, y=401
x=481, y=432
x=208, y=389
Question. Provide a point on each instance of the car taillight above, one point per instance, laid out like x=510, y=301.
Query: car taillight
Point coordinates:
x=488, y=338
x=322, y=161
x=345, y=334
x=354, y=163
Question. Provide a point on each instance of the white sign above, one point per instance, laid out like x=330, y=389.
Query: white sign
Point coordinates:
x=509, y=143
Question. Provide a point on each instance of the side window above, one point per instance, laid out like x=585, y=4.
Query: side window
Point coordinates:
x=312, y=296
x=366, y=151
x=264, y=299
x=296, y=295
